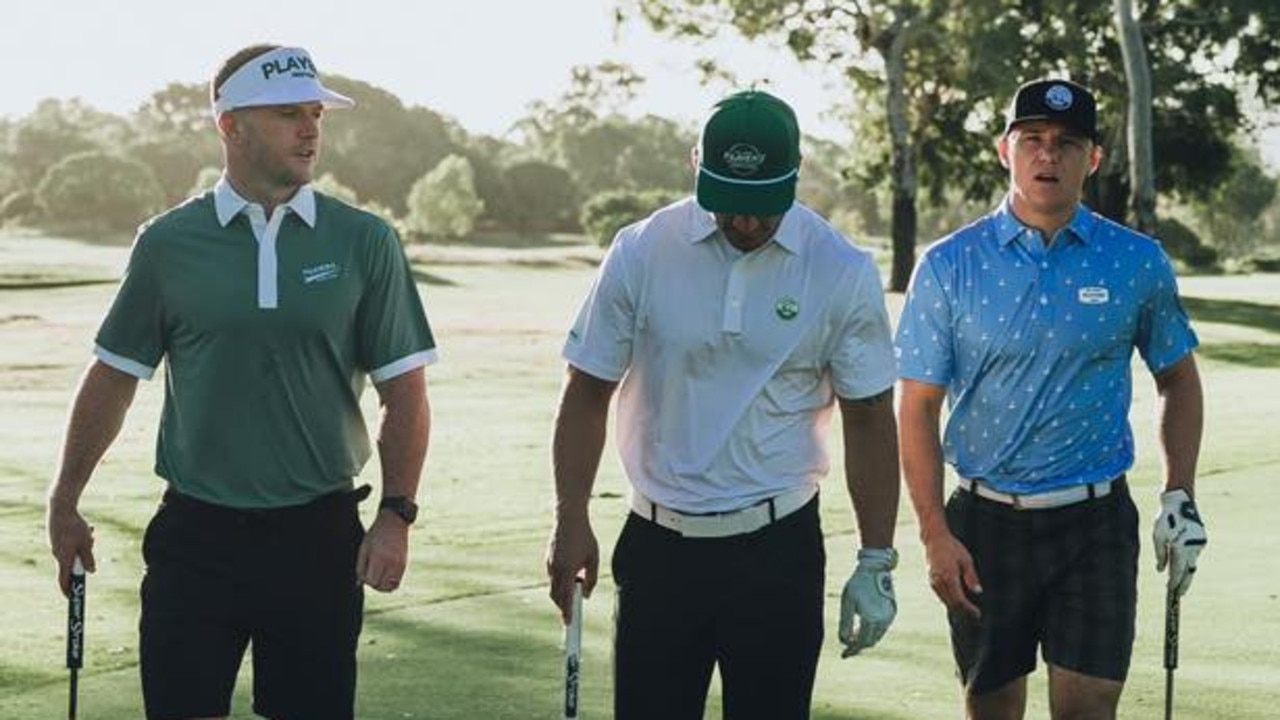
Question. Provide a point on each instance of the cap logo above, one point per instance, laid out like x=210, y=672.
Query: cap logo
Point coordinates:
x=787, y=308
x=1058, y=97
x=295, y=65
x=743, y=159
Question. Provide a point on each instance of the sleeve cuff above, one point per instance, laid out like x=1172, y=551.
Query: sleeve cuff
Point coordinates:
x=403, y=365
x=124, y=364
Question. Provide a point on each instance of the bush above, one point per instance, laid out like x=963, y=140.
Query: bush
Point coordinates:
x=608, y=212
x=1182, y=243
x=205, y=180
x=97, y=191
x=20, y=207
x=444, y=202
x=541, y=197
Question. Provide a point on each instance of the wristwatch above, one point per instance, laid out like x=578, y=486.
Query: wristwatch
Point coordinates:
x=402, y=506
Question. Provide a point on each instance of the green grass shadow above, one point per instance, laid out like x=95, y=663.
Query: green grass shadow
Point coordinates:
x=1234, y=312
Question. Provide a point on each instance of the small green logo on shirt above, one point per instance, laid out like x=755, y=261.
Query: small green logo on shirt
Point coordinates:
x=787, y=308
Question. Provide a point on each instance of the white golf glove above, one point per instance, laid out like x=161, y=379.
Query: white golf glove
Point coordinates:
x=1179, y=537
x=867, y=605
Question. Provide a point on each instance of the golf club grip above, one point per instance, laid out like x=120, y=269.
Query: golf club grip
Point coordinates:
x=1173, y=609
x=573, y=654
x=75, y=617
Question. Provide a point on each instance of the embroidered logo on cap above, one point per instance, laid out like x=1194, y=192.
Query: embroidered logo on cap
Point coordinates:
x=787, y=308
x=1093, y=295
x=1058, y=97
x=744, y=159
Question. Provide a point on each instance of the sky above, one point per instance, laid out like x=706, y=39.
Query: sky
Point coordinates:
x=481, y=62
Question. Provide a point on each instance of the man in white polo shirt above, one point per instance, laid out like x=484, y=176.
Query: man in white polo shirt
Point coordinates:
x=733, y=323
x=270, y=305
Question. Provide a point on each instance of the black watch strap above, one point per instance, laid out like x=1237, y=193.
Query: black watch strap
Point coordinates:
x=402, y=506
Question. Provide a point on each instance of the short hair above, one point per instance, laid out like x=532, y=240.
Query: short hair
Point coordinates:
x=234, y=63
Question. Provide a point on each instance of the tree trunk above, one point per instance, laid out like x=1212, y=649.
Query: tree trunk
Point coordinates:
x=903, y=181
x=1138, y=74
x=1107, y=192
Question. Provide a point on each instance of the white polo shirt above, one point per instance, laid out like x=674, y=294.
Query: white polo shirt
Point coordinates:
x=730, y=362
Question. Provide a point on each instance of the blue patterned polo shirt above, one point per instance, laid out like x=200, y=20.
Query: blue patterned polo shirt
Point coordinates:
x=1033, y=342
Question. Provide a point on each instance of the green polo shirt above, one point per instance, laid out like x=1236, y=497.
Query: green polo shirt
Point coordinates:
x=265, y=370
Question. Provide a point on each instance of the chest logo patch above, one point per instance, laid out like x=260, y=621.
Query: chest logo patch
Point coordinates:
x=1093, y=295
x=321, y=273
x=787, y=308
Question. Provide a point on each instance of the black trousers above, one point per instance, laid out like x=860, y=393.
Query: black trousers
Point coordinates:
x=751, y=604
x=219, y=580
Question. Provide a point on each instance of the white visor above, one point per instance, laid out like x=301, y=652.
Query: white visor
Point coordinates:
x=284, y=76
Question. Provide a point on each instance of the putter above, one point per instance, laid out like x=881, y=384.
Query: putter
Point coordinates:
x=1172, y=608
x=573, y=654
x=75, y=633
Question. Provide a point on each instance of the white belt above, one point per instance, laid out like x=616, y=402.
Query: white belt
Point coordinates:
x=1040, y=501
x=713, y=525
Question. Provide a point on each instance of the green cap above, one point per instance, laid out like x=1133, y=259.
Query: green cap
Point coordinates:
x=749, y=156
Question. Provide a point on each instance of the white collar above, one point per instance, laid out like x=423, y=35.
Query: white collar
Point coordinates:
x=702, y=226
x=230, y=203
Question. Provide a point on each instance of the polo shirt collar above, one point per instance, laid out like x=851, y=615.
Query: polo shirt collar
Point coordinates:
x=1008, y=228
x=702, y=226
x=228, y=203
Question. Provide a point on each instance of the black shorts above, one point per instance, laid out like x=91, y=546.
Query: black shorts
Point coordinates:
x=1064, y=579
x=283, y=580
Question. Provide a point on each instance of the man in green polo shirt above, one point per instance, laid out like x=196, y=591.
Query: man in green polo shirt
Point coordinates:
x=270, y=304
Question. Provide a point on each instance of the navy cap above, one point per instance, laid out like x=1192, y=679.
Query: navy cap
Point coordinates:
x=1060, y=101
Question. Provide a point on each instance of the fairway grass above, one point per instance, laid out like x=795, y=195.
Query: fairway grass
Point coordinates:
x=472, y=634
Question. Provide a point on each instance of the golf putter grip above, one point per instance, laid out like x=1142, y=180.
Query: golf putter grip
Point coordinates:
x=75, y=617
x=1172, y=611
x=573, y=654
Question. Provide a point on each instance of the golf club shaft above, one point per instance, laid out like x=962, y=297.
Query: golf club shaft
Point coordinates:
x=1173, y=608
x=75, y=632
x=573, y=654
x=71, y=701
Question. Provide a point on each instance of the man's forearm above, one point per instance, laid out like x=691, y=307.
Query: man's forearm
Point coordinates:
x=97, y=413
x=579, y=439
x=922, y=454
x=404, y=433
x=1180, y=419
x=871, y=466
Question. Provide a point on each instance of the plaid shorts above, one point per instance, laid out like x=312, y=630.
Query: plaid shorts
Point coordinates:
x=1064, y=579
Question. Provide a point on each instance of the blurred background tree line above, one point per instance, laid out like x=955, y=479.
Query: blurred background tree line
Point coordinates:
x=927, y=81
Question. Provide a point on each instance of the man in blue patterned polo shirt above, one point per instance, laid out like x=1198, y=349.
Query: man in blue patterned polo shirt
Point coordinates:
x=1025, y=322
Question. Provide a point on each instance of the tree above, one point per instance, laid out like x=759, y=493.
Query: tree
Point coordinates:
x=56, y=129
x=1138, y=75
x=381, y=148
x=542, y=197
x=585, y=132
x=444, y=202
x=99, y=191
x=948, y=68
x=175, y=137
x=1233, y=212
